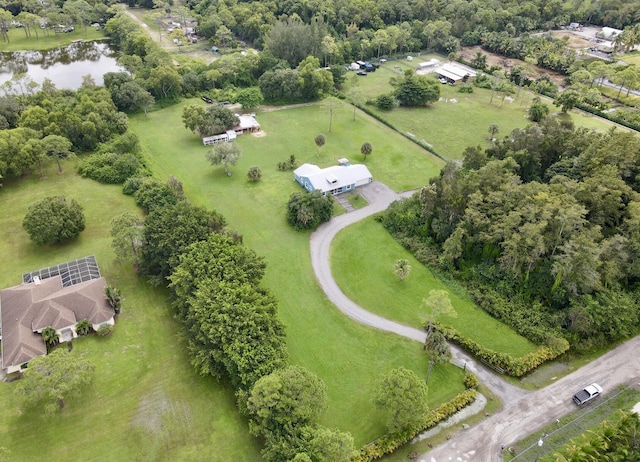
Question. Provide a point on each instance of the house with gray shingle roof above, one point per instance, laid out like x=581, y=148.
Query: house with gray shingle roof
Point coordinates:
x=57, y=297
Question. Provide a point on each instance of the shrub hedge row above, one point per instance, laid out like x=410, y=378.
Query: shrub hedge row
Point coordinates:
x=409, y=137
x=389, y=442
x=515, y=367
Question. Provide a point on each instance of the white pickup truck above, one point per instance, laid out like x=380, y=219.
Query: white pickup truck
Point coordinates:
x=587, y=394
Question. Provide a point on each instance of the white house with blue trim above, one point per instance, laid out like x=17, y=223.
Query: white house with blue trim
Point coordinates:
x=334, y=180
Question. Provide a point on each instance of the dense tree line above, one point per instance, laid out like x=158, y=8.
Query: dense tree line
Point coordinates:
x=230, y=322
x=346, y=30
x=546, y=219
x=53, y=124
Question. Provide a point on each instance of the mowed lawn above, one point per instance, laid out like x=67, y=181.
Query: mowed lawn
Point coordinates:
x=350, y=358
x=457, y=120
x=145, y=403
x=368, y=278
x=18, y=41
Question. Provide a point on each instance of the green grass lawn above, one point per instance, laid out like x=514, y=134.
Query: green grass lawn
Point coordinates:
x=631, y=58
x=367, y=278
x=458, y=120
x=18, y=41
x=349, y=357
x=145, y=402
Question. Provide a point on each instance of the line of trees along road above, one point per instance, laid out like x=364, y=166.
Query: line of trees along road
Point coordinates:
x=230, y=322
x=542, y=228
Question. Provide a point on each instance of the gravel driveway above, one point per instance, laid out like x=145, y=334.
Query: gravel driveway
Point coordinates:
x=523, y=412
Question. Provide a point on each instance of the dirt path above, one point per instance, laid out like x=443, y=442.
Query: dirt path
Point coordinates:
x=164, y=41
x=523, y=412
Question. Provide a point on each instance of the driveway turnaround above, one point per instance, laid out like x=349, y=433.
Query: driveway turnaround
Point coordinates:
x=523, y=412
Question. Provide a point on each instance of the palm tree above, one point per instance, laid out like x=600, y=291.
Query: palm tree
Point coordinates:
x=50, y=337
x=402, y=268
x=493, y=131
x=366, y=149
x=115, y=298
x=84, y=327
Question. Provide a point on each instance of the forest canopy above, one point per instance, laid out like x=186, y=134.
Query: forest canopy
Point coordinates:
x=546, y=219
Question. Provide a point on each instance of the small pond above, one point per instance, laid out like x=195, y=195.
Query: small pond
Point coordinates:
x=65, y=66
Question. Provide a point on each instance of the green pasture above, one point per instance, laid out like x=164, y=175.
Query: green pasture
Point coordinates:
x=631, y=58
x=145, y=402
x=349, y=357
x=362, y=260
x=18, y=40
x=458, y=120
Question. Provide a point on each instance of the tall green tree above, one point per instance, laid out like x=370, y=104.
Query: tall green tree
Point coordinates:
x=53, y=220
x=250, y=97
x=320, y=141
x=57, y=147
x=208, y=121
x=164, y=82
x=439, y=304
x=218, y=258
x=285, y=399
x=403, y=396
x=415, y=90
x=225, y=154
x=316, y=82
x=234, y=332
x=168, y=232
x=126, y=235
x=51, y=379
x=308, y=210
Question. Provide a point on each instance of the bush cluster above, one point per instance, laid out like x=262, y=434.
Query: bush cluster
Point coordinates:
x=290, y=164
x=389, y=442
x=515, y=367
x=111, y=168
x=528, y=322
x=470, y=380
x=309, y=210
x=104, y=330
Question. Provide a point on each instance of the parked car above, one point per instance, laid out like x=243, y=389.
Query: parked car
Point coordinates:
x=206, y=99
x=364, y=73
x=442, y=80
x=587, y=394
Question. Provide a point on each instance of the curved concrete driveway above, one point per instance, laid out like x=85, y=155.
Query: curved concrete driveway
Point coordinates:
x=524, y=412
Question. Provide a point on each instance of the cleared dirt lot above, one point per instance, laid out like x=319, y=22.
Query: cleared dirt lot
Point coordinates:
x=493, y=59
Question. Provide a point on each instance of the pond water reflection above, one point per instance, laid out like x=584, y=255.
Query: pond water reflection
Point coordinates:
x=65, y=66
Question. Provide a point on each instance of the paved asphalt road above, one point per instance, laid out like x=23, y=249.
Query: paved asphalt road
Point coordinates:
x=523, y=412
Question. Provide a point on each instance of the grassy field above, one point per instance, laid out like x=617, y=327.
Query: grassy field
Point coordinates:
x=368, y=279
x=145, y=402
x=458, y=120
x=349, y=357
x=18, y=41
x=631, y=58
